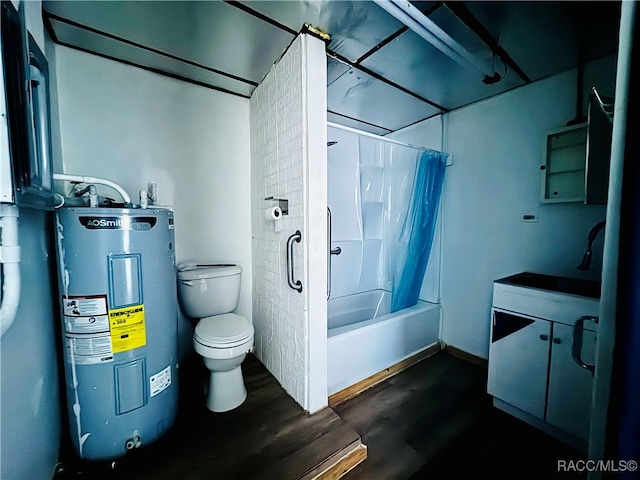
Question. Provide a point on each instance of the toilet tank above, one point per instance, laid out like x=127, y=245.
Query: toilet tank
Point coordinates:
x=209, y=290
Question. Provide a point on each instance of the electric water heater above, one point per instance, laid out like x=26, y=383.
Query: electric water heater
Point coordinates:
x=119, y=315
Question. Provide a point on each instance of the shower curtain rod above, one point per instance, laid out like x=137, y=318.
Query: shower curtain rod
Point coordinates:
x=373, y=135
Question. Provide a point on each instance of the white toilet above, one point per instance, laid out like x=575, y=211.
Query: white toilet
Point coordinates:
x=210, y=293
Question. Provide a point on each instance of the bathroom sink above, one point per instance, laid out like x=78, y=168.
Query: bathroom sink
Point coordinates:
x=572, y=286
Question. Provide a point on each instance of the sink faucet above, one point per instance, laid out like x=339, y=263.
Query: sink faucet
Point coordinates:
x=586, y=259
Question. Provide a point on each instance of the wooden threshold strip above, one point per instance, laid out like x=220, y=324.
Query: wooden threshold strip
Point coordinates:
x=361, y=386
x=340, y=464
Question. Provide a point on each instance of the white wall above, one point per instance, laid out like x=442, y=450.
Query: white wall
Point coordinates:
x=133, y=127
x=289, y=161
x=497, y=149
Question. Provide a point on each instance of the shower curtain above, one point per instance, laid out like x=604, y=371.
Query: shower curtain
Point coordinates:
x=413, y=245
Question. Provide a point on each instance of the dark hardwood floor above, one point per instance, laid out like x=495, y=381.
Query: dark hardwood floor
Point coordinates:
x=433, y=420
x=268, y=437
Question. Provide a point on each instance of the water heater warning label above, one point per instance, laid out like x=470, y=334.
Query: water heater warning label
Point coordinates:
x=86, y=325
x=84, y=306
x=89, y=349
x=127, y=328
x=160, y=381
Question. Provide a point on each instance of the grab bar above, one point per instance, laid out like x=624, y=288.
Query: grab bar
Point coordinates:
x=330, y=251
x=295, y=284
x=576, y=347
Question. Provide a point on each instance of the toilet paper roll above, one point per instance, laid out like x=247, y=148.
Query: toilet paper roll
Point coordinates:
x=273, y=213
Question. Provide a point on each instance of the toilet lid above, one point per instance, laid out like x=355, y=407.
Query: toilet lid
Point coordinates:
x=209, y=272
x=224, y=330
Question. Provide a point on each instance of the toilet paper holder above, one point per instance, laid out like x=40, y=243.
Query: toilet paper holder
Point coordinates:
x=283, y=203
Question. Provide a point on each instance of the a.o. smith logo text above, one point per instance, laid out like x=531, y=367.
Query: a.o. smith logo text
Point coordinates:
x=118, y=223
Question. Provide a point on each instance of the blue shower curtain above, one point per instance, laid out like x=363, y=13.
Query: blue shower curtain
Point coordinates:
x=416, y=237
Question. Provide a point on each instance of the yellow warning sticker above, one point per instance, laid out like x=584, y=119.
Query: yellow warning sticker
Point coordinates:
x=127, y=328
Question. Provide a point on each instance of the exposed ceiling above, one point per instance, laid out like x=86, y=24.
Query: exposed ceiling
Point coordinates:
x=381, y=76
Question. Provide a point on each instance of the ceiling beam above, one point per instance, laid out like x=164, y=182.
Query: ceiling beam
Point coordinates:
x=464, y=14
x=264, y=18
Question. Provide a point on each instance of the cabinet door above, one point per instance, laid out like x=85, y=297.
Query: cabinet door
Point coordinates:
x=518, y=361
x=564, y=171
x=569, y=401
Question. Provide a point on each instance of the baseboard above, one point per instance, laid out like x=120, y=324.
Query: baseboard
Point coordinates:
x=579, y=444
x=362, y=385
x=461, y=354
x=339, y=464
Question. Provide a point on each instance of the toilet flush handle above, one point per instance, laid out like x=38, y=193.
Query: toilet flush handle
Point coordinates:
x=188, y=283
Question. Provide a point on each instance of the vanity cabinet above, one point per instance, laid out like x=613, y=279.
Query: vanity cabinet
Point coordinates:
x=570, y=386
x=519, y=361
x=532, y=371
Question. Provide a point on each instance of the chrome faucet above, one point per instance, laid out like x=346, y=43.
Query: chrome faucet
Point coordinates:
x=586, y=259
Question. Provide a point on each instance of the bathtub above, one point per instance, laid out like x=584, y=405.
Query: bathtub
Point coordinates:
x=364, y=338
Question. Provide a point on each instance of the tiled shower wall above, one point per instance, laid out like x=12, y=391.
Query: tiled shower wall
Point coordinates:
x=288, y=149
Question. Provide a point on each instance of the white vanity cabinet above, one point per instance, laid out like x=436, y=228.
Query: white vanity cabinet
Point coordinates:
x=519, y=361
x=570, y=386
x=532, y=370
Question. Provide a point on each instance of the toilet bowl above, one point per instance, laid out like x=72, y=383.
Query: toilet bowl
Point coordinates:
x=222, y=338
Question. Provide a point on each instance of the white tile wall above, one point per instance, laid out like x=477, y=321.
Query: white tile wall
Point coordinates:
x=281, y=119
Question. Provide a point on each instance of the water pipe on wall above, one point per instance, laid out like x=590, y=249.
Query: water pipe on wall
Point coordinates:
x=149, y=196
x=100, y=181
x=10, y=259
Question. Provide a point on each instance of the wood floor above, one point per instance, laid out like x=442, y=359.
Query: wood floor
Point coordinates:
x=433, y=420
x=268, y=437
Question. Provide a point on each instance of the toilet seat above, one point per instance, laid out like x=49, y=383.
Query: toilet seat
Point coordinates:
x=224, y=353
x=223, y=331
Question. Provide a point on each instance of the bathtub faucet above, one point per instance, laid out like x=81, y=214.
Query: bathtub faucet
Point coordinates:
x=586, y=259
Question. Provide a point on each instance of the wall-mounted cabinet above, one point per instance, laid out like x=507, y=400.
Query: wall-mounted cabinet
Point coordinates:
x=563, y=173
x=576, y=162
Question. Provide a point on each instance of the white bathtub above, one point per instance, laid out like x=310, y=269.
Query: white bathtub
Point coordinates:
x=364, y=338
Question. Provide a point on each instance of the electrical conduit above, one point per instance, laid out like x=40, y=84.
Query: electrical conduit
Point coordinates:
x=10, y=259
